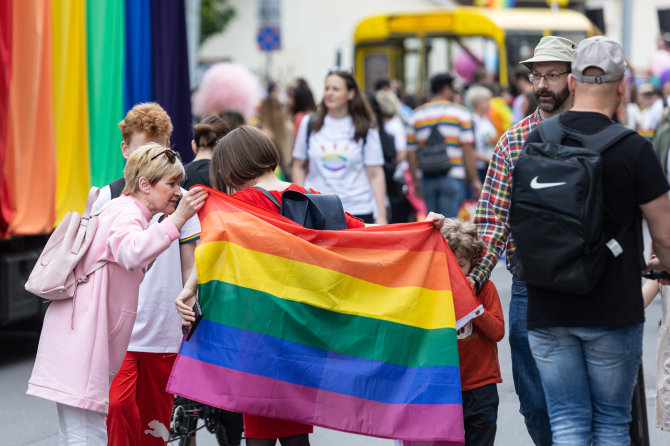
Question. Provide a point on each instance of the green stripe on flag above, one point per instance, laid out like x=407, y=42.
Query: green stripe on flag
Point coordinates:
x=346, y=334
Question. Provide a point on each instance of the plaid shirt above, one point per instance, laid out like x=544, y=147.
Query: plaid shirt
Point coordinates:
x=491, y=216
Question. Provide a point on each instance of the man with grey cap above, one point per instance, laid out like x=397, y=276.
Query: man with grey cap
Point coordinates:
x=549, y=68
x=588, y=347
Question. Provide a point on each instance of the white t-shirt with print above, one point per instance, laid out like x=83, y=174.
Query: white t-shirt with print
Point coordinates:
x=336, y=162
x=157, y=327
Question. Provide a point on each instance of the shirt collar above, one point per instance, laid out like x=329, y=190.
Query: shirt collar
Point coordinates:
x=145, y=210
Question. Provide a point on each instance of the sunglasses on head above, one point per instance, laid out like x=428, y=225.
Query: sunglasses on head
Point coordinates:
x=339, y=69
x=172, y=156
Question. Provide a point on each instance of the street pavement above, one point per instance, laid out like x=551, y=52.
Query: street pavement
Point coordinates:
x=30, y=421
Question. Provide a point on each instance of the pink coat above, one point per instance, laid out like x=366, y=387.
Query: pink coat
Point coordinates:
x=83, y=342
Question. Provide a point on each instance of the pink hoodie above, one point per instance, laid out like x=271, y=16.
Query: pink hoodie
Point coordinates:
x=84, y=340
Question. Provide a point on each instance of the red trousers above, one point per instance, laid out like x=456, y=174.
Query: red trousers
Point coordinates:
x=139, y=407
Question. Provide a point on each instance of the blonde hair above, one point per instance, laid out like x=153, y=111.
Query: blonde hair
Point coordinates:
x=476, y=93
x=462, y=236
x=148, y=118
x=140, y=164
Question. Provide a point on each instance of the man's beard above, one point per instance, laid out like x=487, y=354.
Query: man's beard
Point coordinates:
x=556, y=102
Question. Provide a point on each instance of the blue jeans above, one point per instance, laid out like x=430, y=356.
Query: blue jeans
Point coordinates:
x=588, y=374
x=526, y=378
x=443, y=194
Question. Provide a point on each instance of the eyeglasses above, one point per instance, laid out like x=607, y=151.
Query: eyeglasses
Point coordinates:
x=172, y=156
x=551, y=77
x=339, y=69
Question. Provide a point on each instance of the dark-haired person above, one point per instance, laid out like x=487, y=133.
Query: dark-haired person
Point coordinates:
x=444, y=193
x=205, y=135
x=300, y=101
x=233, y=118
x=343, y=155
x=243, y=158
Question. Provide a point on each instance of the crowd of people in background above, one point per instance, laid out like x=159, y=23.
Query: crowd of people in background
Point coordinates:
x=391, y=157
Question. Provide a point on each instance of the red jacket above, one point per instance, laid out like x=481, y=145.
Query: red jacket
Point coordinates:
x=478, y=352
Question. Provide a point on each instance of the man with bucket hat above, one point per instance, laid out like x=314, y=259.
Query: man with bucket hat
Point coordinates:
x=588, y=347
x=549, y=68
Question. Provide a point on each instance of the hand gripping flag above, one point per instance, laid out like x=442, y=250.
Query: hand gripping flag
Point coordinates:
x=353, y=330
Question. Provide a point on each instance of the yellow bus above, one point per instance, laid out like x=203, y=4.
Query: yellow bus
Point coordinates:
x=413, y=46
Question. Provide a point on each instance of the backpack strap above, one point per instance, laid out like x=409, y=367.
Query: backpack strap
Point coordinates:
x=268, y=195
x=552, y=131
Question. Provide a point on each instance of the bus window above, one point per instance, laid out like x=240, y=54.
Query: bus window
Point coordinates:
x=411, y=72
x=376, y=67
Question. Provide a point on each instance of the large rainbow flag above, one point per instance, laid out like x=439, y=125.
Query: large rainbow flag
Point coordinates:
x=353, y=330
x=69, y=71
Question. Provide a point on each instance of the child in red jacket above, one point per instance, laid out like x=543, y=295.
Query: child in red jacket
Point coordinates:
x=477, y=341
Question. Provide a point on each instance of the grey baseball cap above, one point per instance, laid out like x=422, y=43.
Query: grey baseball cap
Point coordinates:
x=552, y=49
x=599, y=52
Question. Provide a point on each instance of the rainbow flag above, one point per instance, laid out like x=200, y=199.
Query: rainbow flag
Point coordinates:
x=69, y=71
x=353, y=330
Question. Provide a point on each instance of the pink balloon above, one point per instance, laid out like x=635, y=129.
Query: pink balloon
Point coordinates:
x=464, y=66
x=660, y=61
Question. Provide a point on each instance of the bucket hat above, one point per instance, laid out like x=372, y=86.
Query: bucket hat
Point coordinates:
x=552, y=49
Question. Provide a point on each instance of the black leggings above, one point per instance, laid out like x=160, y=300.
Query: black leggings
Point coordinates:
x=295, y=440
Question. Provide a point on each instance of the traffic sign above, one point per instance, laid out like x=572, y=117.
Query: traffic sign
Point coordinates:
x=268, y=38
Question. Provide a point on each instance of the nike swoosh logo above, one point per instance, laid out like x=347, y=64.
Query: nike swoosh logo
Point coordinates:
x=534, y=184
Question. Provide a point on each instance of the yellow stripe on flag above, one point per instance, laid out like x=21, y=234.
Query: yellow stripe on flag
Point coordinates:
x=323, y=288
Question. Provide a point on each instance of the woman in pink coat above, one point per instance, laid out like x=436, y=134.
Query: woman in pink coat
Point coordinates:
x=84, y=340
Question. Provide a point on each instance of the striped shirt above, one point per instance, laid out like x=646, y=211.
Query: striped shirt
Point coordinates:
x=491, y=216
x=454, y=123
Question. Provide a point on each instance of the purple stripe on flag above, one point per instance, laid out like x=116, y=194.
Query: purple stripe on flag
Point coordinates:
x=247, y=393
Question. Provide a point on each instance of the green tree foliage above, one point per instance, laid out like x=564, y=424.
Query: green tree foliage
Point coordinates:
x=215, y=14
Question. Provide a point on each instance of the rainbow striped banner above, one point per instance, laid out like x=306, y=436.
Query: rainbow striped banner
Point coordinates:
x=352, y=330
x=69, y=71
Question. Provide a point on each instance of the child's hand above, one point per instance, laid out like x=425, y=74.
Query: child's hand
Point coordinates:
x=437, y=219
x=472, y=283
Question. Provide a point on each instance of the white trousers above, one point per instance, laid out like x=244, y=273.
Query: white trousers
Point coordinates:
x=80, y=427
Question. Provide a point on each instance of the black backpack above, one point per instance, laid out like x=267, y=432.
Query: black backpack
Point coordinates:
x=313, y=211
x=556, y=211
x=432, y=155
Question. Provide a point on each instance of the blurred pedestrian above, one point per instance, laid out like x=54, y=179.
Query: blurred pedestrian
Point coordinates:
x=444, y=192
x=478, y=100
x=651, y=110
x=205, y=135
x=523, y=87
x=274, y=122
x=338, y=150
x=300, y=102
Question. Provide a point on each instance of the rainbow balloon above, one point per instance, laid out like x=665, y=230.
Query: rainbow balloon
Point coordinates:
x=353, y=330
x=69, y=71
